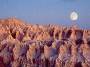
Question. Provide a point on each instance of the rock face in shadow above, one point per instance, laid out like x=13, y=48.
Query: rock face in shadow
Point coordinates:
x=27, y=45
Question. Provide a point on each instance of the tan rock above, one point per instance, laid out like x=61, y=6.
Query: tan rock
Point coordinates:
x=27, y=44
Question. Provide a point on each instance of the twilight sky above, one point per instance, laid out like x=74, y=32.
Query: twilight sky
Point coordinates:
x=47, y=11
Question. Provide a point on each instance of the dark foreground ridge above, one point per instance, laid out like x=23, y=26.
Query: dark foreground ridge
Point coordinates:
x=26, y=45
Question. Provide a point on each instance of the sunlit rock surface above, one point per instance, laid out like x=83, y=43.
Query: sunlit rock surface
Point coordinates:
x=27, y=45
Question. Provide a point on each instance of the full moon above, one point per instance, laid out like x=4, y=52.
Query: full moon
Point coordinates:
x=73, y=16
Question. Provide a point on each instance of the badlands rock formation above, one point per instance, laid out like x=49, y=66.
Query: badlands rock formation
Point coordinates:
x=27, y=45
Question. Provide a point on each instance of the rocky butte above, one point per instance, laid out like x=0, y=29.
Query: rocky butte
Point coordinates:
x=27, y=45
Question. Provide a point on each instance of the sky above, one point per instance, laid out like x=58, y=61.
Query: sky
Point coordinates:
x=47, y=11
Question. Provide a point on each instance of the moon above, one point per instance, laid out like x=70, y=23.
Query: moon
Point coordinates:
x=73, y=16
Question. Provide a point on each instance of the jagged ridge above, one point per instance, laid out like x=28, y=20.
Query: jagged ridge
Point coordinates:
x=27, y=45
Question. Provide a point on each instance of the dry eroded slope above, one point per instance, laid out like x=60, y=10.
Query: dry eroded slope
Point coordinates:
x=26, y=45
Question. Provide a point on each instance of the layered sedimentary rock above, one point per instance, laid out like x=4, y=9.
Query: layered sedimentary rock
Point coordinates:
x=27, y=45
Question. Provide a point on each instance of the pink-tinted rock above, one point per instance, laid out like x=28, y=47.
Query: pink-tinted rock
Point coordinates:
x=30, y=45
